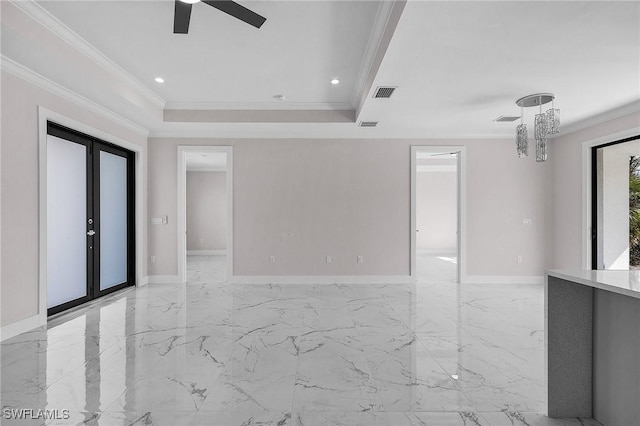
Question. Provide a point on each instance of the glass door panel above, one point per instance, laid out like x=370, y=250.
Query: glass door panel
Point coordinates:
x=66, y=221
x=113, y=220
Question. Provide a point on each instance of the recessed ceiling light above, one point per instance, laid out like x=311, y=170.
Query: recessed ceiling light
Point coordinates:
x=335, y=81
x=190, y=1
x=159, y=80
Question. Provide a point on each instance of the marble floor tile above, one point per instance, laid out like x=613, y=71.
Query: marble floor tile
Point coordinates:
x=128, y=418
x=243, y=417
x=515, y=418
x=260, y=375
x=333, y=375
x=336, y=418
x=447, y=418
x=409, y=378
x=211, y=353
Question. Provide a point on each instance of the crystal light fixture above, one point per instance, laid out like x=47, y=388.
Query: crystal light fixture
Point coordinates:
x=540, y=129
x=541, y=150
x=553, y=120
x=540, y=126
x=546, y=123
x=522, y=138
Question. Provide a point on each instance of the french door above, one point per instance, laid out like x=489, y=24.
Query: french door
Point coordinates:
x=90, y=218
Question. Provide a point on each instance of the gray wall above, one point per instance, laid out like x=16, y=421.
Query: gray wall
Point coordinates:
x=303, y=199
x=206, y=210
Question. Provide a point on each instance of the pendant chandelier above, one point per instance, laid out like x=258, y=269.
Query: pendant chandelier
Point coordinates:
x=545, y=123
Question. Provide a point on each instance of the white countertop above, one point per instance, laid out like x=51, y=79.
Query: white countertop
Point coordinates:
x=621, y=282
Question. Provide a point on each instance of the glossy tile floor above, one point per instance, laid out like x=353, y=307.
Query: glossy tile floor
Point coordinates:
x=208, y=353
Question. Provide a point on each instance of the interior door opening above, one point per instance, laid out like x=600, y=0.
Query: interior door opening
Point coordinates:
x=205, y=212
x=90, y=218
x=436, y=219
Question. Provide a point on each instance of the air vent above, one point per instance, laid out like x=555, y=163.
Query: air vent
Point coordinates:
x=384, y=92
x=368, y=123
x=506, y=118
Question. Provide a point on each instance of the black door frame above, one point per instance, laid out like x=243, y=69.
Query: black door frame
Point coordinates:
x=95, y=146
x=594, y=196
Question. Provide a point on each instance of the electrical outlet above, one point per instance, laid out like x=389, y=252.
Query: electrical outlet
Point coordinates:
x=360, y=259
x=526, y=221
x=328, y=259
x=519, y=258
x=272, y=259
x=153, y=259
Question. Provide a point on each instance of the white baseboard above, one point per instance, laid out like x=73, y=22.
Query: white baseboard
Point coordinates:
x=161, y=279
x=503, y=279
x=18, y=327
x=206, y=252
x=322, y=279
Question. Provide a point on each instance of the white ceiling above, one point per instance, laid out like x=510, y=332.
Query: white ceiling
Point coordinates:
x=460, y=65
x=298, y=50
x=457, y=65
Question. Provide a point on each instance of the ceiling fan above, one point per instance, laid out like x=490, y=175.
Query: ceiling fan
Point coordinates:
x=183, y=13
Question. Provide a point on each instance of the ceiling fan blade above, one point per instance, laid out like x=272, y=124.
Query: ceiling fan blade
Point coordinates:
x=234, y=9
x=181, y=17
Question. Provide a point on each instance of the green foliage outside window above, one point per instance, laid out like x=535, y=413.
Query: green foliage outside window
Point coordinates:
x=634, y=213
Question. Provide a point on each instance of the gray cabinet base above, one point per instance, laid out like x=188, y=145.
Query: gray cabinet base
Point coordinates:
x=593, y=353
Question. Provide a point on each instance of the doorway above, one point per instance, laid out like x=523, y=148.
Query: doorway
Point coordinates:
x=205, y=211
x=90, y=230
x=436, y=213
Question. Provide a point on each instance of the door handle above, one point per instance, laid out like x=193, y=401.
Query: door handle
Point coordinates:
x=91, y=232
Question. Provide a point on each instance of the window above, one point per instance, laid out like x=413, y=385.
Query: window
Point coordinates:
x=615, y=205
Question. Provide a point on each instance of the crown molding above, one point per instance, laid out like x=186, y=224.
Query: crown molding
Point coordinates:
x=216, y=131
x=9, y=65
x=594, y=120
x=57, y=27
x=258, y=116
x=258, y=106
